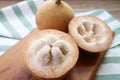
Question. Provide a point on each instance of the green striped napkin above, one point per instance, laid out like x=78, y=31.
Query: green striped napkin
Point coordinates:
x=18, y=20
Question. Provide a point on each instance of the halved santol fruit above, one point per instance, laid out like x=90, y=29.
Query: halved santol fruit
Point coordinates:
x=50, y=54
x=90, y=33
x=54, y=14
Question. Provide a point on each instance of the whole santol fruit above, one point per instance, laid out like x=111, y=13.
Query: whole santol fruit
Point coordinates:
x=54, y=14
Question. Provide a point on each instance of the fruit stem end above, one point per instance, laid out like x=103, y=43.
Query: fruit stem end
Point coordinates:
x=58, y=2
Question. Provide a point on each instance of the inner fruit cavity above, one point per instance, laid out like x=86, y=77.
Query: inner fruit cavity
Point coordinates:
x=91, y=32
x=49, y=51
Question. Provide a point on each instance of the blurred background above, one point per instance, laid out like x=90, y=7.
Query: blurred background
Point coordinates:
x=112, y=6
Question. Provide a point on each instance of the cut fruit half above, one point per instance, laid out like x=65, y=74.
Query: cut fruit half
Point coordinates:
x=50, y=54
x=91, y=33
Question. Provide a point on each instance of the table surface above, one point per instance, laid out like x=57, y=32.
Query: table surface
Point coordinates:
x=112, y=6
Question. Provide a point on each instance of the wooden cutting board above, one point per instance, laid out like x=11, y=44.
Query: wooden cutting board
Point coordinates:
x=13, y=68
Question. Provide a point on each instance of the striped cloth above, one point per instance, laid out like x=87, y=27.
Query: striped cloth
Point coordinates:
x=18, y=20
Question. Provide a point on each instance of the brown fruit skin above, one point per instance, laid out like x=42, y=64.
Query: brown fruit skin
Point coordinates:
x=96, y=48
x=74, y=53
x=53, y=16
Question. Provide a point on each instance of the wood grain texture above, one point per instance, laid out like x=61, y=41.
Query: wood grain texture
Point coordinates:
x=12, y=65
x=112, y=6
x=5, y=3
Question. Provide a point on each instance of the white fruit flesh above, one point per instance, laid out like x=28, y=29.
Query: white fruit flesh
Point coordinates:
x=48, y=52
x=90, y=33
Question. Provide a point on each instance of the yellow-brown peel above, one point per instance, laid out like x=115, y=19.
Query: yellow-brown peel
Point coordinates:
x=53, y=16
